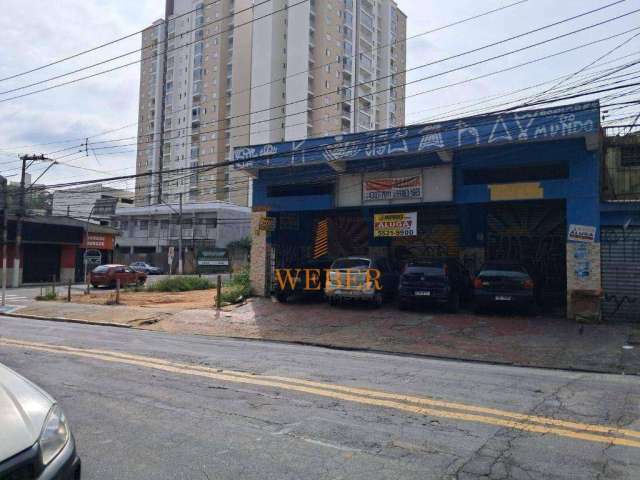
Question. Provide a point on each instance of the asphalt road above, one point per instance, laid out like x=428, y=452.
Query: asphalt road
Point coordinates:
x=147, y=405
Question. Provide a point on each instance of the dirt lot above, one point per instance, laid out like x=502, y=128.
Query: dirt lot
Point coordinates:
x=164, y=300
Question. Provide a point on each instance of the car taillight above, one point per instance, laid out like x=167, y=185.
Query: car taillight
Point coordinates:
x=477, y=283
x=528, y=284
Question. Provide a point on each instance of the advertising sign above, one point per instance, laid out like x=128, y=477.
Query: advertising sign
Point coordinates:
x=211, y=261
x=267, y=224
x=93, y=257
x=582, y=233
x=395, y=224
x=98, y=241
x=392, y=188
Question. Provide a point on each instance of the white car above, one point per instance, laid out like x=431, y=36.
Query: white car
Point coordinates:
x=35, y=439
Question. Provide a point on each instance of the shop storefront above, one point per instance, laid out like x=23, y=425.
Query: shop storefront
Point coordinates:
x=518, y=186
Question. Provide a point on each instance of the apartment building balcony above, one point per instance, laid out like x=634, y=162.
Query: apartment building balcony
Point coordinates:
x=366, y=6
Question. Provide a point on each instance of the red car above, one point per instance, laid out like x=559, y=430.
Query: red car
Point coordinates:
x=107, y=276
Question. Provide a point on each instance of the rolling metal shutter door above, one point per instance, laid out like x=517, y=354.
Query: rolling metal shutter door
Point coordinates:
x=620, y=252
x=533, y=234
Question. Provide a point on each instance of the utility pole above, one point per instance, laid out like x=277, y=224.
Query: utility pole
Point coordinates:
x=5, y=236
x=180, y=237
x=21, y=212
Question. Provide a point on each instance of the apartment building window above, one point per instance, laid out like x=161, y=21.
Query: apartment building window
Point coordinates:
x=198, y=74
x=143, y=225
x=169, y=86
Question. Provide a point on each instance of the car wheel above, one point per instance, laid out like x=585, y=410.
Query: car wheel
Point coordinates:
x=454, y=303
x=94, y=285
x=141, y=282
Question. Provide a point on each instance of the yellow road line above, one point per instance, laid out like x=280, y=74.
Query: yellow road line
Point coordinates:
x=528, y=423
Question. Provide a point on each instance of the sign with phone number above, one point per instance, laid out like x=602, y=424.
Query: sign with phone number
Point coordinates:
x=395, y=224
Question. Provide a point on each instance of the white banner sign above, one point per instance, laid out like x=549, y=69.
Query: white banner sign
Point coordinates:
x=582, y=233
x=392, y=188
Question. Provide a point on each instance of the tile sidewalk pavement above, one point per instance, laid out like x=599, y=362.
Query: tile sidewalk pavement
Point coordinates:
x=531, y=341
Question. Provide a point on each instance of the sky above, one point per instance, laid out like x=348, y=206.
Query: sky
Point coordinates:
x=40, y=31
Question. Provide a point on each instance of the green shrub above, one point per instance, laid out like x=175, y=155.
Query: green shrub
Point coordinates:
x=50, y=295
x=237, y=288
x=180, y=284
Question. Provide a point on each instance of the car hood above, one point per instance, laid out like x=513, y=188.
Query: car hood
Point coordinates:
x=23, y=411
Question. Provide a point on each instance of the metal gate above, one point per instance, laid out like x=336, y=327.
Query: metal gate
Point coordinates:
x=620, y=255
x=533, y=234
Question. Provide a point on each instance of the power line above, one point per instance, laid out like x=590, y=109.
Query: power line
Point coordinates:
x=98, y=47
x=321, y=147
x=373, y=93
x=386, y=76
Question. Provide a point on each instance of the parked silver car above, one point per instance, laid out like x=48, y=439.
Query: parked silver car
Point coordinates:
x=35, y=439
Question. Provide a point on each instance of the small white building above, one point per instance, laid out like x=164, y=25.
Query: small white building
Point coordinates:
x=93, y=203
x=152, y=229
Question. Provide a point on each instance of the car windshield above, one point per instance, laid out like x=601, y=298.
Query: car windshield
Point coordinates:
x=351, y=263
x=432, y=269
x=101, y=269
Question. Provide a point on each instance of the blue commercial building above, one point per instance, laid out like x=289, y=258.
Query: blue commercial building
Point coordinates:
x=519, y=185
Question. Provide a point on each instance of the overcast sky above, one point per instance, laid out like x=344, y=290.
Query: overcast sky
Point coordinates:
x=40, y=31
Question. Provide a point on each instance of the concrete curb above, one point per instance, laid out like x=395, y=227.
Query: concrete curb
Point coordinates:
x=332, y=347
x=65, y=320
x=427, y=356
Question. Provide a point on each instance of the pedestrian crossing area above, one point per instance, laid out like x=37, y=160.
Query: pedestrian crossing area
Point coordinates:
x=12, y=298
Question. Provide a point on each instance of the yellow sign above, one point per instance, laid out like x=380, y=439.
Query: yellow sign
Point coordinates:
x=395, y=224
x=267, y=224
x=516, y=191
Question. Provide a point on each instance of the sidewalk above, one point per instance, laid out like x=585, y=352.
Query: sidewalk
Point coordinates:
x=537, y=341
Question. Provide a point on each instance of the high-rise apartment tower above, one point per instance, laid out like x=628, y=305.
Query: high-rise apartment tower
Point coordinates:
x=219, y=74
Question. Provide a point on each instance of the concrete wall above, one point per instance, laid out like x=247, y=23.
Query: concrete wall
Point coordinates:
x=259, y=255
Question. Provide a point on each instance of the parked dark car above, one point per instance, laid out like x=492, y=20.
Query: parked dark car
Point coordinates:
x=308, y=280
x=108, y=275
x=146, y=268
x=504, y=284
x=354, y=278
x=438, y=281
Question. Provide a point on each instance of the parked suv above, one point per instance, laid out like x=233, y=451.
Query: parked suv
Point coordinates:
x=503, y=284
x=439, y=281
x=107, y=276
x=361, y=278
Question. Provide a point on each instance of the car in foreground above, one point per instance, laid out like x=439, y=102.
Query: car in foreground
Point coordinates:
x=306, y=281
x=503, y=284
x=361, y=278
x=108, y=276
x=144, y=267
x=437, y=281
x=35, y=439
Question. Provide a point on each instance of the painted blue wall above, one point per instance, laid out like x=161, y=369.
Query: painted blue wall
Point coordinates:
x=581, y=189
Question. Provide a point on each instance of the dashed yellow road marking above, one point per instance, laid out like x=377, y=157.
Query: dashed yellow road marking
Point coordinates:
x=406, y=403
